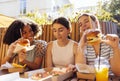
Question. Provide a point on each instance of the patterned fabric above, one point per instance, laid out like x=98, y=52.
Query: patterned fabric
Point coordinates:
x=38, y=51
x=105, y=51
x=40, y=48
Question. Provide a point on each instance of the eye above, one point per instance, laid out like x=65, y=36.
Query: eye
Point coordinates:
x=80, y=24
x=61, y=30
x=86, y=21
x=54, y=30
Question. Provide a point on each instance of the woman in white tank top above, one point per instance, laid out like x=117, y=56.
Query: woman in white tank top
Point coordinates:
x=63, y=51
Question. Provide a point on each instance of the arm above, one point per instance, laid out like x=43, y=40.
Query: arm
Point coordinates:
x=113, y=41
x=35, y=64
x=10, y=55
x=39, y=54
x=7, y=58
x=80, y=58
x=49, y=55
x=114, y=61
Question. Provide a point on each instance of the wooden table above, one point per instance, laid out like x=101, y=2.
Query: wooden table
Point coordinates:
x=112, y=77
x=3, y=72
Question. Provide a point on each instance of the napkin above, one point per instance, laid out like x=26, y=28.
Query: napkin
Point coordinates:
x=6, y=66
x=10, y=77
x=20, y=47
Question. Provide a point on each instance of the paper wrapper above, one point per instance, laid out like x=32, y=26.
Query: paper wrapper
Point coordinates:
x=20, y=47
x=85, y=71
x=83, y=68
x=60, y=77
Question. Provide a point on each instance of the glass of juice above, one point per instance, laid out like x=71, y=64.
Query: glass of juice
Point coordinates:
x=102, y=74
x=102, y=69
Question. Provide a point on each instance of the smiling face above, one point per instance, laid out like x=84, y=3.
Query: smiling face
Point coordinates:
x=60, y=32
x=27, y=33
x=85, y=22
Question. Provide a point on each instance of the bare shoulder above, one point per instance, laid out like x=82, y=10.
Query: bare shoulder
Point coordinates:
x=75, y=43
x=49, y=45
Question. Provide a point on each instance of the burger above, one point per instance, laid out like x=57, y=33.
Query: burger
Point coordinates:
x=25, y=42
x=93, y=37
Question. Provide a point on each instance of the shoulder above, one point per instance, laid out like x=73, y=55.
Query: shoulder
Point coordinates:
x=50, y=44
x=74, y=43
x=41, y=42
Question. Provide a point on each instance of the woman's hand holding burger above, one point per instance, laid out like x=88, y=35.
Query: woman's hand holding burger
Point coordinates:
x=22, y=55
x=21, y=41
x=112, y=40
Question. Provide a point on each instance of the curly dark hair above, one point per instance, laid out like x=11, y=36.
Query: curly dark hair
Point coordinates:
x=13, y=31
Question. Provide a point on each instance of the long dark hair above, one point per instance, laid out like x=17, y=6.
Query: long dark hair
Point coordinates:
x=63, y=21
x=13, y=31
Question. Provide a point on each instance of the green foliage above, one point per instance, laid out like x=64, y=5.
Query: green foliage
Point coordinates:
x=41, y=19
x=102, y=13
x=113, y=7
x=104, y=16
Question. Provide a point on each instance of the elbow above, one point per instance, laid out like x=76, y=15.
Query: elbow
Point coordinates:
x=116, y=73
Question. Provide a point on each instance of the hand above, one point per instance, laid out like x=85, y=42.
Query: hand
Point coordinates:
x=112, y=40
x=71, y=67
x=83, y=40
x=22, y=55
x=11, y=49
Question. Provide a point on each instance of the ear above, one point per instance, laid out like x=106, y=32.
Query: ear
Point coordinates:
x=69, y=30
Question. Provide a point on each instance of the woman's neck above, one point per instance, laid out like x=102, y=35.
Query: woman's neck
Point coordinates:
x=97, y=49
x=63, y=43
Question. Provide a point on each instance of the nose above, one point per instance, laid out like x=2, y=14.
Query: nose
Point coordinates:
x=57, y=34
x=28, y=35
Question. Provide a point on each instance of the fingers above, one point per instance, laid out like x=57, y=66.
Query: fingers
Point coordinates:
x=112, y=37
x=22, y=55
x=71, y=67
x=112, y=40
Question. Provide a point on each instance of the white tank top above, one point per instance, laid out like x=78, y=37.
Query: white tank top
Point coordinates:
x=63, y=56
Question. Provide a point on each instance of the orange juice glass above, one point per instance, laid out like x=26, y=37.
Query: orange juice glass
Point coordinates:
x=102, y=74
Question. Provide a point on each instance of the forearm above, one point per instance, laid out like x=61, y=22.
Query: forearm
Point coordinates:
x=7, y=59
x=80, y=58
x=49, y=63
x=115, y=65
x=31, y=65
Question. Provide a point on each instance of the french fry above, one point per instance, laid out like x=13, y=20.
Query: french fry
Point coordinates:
x=18, y=65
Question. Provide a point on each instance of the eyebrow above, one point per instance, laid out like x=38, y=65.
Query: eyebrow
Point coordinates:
x=59, y=28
